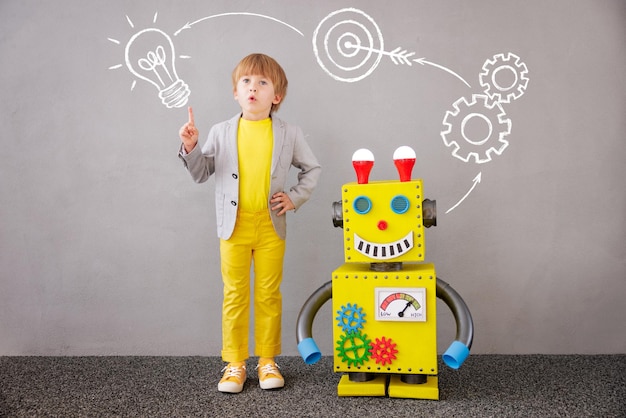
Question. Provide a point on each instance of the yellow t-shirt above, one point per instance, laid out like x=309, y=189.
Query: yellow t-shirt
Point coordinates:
x=254, y=145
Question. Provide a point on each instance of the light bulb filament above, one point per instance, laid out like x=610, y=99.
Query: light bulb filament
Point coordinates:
x=153, y=60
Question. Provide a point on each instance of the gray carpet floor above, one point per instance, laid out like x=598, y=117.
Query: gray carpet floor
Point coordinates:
x=486, y=386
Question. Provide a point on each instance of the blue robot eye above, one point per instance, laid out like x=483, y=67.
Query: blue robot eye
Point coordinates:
x=362, y=205
x=400, y=204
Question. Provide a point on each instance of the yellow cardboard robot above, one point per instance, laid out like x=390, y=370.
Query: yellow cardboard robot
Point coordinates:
x=385, y=328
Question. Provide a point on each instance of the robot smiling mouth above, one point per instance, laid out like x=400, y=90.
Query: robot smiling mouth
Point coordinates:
x=384, y=251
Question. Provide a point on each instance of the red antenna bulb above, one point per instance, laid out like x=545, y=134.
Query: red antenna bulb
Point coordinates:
x=362, y=161
x=404, y=159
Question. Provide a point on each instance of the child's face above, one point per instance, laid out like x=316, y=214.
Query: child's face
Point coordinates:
x=255, y=94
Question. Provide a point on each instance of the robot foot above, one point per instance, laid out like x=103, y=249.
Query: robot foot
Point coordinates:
x=373, y=387
x=427, y=390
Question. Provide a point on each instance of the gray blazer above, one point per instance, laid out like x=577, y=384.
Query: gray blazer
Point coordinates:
x=219, y=155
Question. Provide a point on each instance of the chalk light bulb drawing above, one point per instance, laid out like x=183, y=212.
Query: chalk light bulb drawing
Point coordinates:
x=150, y=56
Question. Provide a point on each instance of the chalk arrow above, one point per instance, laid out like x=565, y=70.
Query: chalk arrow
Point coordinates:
x=441, y=67
x=185, y=26
x=401, y=57
x=476, y=181
x=188, y=25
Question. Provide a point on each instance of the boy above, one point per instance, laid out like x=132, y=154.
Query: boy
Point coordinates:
x=250, y=156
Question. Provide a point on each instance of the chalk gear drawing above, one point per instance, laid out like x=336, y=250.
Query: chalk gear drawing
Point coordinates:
x=493, y=71
x=478, y=109
x=498, y=88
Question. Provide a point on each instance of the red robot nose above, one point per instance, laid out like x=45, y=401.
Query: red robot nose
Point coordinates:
x=382, y=225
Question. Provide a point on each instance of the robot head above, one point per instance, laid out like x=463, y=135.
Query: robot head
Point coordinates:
x=383, y=221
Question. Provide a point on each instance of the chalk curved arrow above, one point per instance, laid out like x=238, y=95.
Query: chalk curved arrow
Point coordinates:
x=188, y=25
x=476, y=180
x=422, y=61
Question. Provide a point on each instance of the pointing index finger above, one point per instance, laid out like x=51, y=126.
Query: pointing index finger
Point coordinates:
x=191, y=121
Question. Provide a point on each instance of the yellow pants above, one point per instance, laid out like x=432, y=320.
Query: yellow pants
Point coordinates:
x=254, y=240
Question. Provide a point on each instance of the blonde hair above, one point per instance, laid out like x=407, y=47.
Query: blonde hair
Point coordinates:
x=261, y=64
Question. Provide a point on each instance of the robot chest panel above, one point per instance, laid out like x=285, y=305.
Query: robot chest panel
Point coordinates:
x=385, y=321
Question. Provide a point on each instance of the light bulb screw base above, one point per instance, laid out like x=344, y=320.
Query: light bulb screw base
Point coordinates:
x=175, y=95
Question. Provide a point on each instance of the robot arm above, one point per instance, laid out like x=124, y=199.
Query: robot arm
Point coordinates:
x=304, y=326
x=458, y=351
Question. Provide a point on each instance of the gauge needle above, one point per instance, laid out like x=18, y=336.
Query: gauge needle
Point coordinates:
x=401, y=313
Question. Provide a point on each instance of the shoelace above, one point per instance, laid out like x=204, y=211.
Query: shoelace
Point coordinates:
x=232, y=372
x=269, y=368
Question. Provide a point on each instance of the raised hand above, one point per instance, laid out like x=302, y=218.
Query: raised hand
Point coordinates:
x=189, y=133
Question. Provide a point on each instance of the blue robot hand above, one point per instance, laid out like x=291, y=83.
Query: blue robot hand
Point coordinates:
x=456, y=354
x=309, y=351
